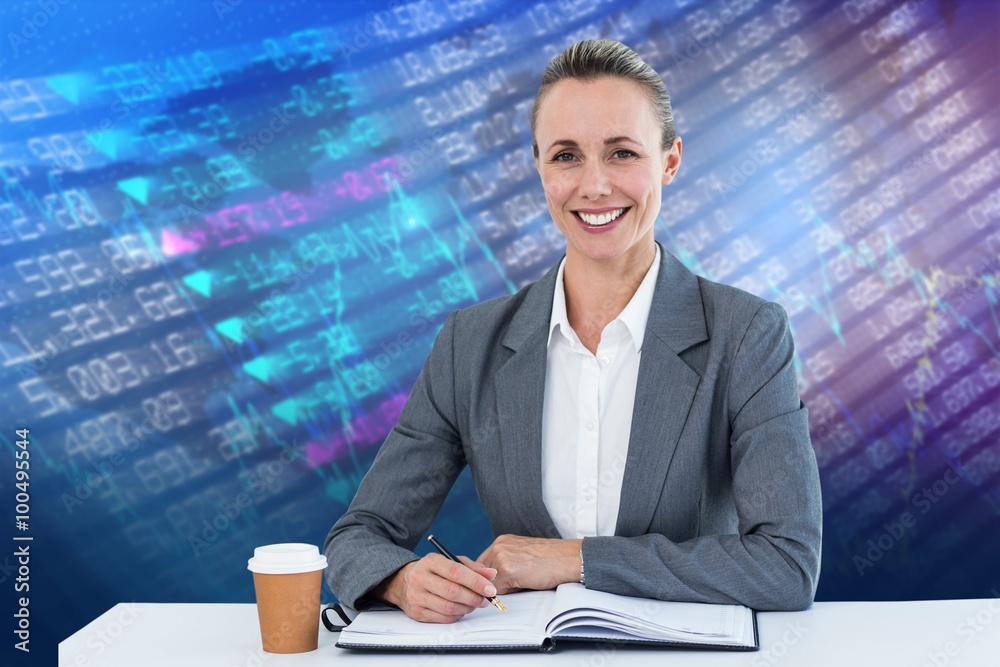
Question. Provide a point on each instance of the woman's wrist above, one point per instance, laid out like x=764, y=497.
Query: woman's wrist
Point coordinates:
x=574, y=562
x=388, y=590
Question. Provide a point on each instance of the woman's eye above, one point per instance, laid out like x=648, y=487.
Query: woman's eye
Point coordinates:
x=622, y=152
x=560, y=156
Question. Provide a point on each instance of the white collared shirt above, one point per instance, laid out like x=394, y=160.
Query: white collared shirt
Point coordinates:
x=587, y=414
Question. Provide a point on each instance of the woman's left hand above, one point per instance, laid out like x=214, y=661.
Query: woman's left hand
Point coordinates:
x=532, y=563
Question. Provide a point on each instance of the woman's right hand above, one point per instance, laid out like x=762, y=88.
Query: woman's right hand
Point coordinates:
x=436, y=589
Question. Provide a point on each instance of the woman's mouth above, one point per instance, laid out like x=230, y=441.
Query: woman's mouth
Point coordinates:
x=597, y=223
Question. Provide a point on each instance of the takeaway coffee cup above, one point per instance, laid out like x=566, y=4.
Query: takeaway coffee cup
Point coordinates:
x=287, y=579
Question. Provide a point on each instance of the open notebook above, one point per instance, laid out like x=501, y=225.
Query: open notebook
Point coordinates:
x=537, y=619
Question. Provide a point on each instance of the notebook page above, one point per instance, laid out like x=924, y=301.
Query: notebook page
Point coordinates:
x=647, y=617
x=522, y=625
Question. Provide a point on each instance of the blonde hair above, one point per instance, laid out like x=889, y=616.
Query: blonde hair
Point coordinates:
x=598, y=58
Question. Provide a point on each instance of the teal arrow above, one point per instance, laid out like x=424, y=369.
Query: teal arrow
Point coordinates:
x=137, y=188
x=232, y=329
x=67, y=85
x=260, y=368
x=200, y=281
x=287, y=411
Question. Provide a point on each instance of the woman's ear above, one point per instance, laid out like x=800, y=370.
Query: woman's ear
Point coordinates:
x=672, y=161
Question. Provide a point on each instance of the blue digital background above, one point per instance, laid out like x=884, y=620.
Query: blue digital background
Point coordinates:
x=230, y=231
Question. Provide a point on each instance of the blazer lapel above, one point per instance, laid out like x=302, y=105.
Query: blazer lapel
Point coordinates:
x=664, y=392
x=520, y=392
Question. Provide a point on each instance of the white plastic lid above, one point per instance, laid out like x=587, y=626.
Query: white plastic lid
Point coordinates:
x=289, y=558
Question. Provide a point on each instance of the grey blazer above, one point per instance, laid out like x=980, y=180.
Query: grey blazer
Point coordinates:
x=721, y=496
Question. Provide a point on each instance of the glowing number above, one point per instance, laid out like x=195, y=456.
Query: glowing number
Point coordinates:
x=277, y=54
x=54, y=270
x=208, y=71
x=155, y=412
x=317, y=49
x=384, y=173
x=292, y=202
x=66, y=152
x=184, y=353
x=186, y=183
x=363, y=131
x=218, y=114
x=35, y=390
x=20, y=94
x=237, y=173
x=105, y=377
x=335, y=149
x=83, y=382
x=150, y=305
x=144, y=469
x=357, y=188
x=166, y=462
x=176, y=405
x=81, y=207
x=306, y=103
x=36, y=277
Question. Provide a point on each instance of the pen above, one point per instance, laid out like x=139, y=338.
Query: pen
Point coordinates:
x=443, y=550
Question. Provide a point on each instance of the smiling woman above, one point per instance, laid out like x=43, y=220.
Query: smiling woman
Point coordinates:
x=602, y=165
x=622, y=416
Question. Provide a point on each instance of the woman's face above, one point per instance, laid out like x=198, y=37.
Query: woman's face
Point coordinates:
x=600, y=157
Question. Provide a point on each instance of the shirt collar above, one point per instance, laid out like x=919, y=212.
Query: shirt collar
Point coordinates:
x=634, y=316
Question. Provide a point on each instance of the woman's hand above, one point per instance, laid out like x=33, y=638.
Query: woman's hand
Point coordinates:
x=436, y=589
x=533, y=563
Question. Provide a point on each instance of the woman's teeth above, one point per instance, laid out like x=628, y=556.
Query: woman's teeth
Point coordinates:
x=600, y=220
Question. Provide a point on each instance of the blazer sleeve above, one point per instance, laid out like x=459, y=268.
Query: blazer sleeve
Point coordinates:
x=397, y=500
x=774, y=561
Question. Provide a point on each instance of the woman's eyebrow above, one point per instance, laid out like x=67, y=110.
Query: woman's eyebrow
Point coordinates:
x=569, y=143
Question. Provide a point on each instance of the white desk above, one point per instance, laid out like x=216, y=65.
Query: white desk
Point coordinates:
x=831, y=633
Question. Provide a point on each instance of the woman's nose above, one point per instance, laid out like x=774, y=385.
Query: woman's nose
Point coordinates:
x=594, y=181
